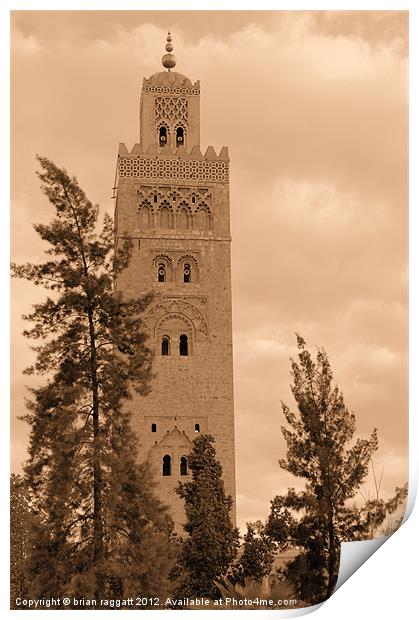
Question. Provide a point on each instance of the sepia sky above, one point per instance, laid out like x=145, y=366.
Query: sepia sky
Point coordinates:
x=313, y=108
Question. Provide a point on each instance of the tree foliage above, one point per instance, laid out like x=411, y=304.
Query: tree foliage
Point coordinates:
x=322, y=451
x=21, y=519
x=211, y=543
x=97, y=517
x=257, y=555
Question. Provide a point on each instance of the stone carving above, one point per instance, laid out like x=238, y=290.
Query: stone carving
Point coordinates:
x=181, y=207
x=173, y=443
x=165, y=257
x=188, y=258
x=171, y=109
x=171, y=90
x=182, y=308
x=171, y=168
x=186, y=323
x=187, y=197
x=175, y=438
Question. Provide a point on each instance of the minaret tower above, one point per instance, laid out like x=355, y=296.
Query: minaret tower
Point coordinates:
x=173, y=201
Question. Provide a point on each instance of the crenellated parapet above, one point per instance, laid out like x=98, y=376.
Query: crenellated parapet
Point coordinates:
x=167, y=163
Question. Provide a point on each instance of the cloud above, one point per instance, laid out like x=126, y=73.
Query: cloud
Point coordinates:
x=26, y=45
x=313, y=107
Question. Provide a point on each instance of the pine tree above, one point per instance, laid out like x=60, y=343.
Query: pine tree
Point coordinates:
x=211, y=544
x=96, y=512
x=322, y=451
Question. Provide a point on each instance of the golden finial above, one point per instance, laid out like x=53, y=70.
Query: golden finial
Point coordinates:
x=169, y=60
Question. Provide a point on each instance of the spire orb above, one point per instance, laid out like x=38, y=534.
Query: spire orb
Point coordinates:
x=169, y=60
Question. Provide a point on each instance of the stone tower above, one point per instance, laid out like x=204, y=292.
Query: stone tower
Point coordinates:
x=173, y=201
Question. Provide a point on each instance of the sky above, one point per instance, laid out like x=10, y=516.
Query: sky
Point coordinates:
x=313, y=108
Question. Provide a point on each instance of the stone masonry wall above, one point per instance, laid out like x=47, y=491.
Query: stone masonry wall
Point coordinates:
x=195, y=389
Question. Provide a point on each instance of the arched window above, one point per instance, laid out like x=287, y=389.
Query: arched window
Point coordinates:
x=167, y=465
x=186, y=272
x=154, y=428
x=183, y=466
x=197, y=428
x=161, y=272
x=162, y=136
x=165, y=345
x=180, y=138
x=183, y=345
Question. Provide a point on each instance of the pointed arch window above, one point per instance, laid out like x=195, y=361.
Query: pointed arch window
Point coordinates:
x=161, y=272
x=183, y=345
x=165, y=345
x=162, y=136
x=183, y=466
x=154, y=428
x=187, y=273
x=167, y=465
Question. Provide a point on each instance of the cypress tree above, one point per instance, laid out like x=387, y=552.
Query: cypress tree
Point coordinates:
x=210, y=546
x=257, y=555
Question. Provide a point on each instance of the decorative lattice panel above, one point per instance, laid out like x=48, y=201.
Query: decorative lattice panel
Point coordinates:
x=171, y=108
x=169, y=89
x=174, y=169
x=191, y=199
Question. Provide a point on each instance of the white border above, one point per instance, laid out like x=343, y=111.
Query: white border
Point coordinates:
x=386, y=586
